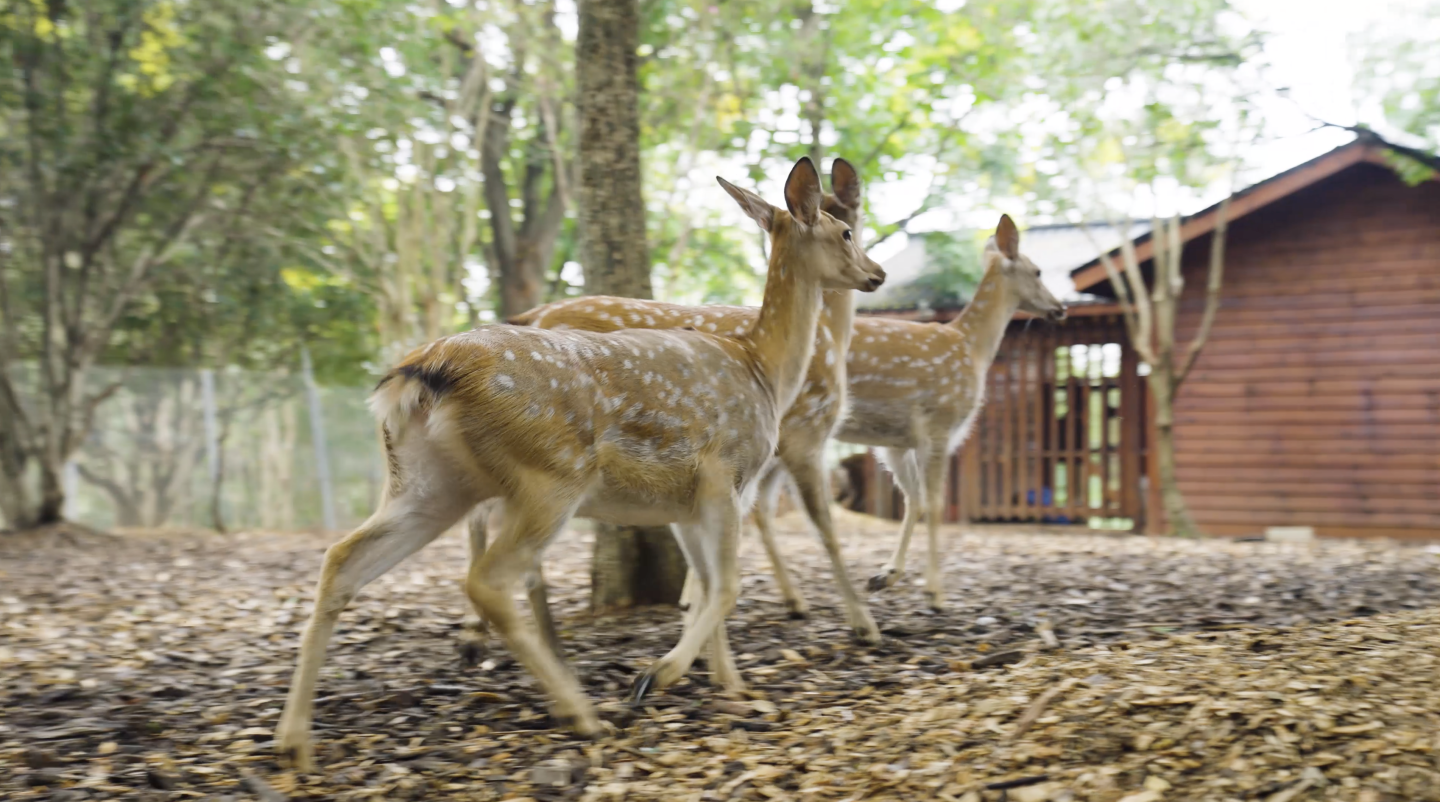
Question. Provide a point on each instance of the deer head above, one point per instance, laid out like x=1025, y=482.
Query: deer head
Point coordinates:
x=1021, y=276
x=808, y=239
x=842, y=202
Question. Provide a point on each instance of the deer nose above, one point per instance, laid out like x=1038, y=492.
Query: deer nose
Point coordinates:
x=1057, y=315
x=877, y=277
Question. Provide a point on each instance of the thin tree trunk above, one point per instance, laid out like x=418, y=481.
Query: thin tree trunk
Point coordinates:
x=631, y=565
x=1177, y=513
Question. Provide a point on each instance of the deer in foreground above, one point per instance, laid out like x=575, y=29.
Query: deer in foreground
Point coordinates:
x=913, y=389
x=806, y=427
x=916, y=388
x=634, y=427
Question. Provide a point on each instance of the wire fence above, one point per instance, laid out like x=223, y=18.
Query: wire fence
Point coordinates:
x=226, y=449
x=230, y=449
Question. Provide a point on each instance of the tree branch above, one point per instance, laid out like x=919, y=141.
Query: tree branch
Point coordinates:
x=1122, y=291
x=497, y=195
x=874, y=153
x=1212, y=293
x=900, y=225
x=81, y=428
x=140, y=268
x=1143, y=308
x=108, y=485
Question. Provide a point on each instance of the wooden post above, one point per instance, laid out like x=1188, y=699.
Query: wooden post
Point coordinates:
x=1023, y=401
x=1035, y=350
x=212, y=432
x=1053, y=424
x=317, y=434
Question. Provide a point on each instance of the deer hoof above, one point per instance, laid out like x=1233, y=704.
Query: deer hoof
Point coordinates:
x=883, y=580
x=296, y=752
x=798, y=609
x=471, y=653
x=643, y=684
x=868, y=636
x=935, y=600
x=582, y=725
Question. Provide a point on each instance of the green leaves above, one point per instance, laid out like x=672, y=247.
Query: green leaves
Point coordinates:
x=1398, y=67
x=340, y=140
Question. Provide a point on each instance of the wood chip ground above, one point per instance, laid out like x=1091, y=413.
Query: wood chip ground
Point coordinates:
x=154, y=665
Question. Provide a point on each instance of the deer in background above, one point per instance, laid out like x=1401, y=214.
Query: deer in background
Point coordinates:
x=915, y=389
x=806, y=427
x=635, y=427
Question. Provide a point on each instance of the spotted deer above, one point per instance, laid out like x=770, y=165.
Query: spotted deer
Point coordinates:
x=633, y=427
x=912, y=389
x=806, y=427
x=915, y=389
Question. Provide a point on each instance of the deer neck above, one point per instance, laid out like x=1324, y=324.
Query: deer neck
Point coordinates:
x=838, y=316
x=783, y=339
x=985, y=318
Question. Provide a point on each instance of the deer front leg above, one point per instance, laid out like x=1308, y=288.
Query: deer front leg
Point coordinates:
x=401, y=527
x=935, y=495
x=764, y=516
x=907, y=474
x=810, y=479
x=711, y=543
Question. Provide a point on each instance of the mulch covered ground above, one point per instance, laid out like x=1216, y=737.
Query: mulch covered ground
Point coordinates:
x=1067, y=667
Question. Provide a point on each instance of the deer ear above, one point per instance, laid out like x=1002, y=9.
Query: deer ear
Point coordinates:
x=845, y=183
x=1007, y=237
x=803, y=195
x=752, y=204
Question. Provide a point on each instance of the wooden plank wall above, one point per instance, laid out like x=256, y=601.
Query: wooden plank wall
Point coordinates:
x=1317, y=400
x=1059, y=439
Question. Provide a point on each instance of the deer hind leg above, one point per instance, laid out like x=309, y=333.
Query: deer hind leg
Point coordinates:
x=690, y=597
x=722, y=662
x=475, y=628
x=935, y=495
x=539, y=596
x=902, y=463
x=814, y=486
x=402, y=526
x=710, y=543
x=770, y=483
x=531, y=521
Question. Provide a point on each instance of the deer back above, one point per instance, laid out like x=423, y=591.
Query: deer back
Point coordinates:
x=626, y=417
x=822, y=397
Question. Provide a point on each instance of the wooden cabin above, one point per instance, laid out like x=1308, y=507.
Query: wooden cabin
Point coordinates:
x=1315, y=403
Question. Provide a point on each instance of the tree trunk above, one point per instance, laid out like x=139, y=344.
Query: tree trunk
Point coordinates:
x=51, y=507
x=20, y=507
x=631, y=565
x=1177, y=513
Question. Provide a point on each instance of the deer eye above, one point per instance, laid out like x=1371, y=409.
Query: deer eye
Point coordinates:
x=847, y=235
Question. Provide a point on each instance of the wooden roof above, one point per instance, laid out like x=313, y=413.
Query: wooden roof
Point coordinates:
x=1364, y=149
